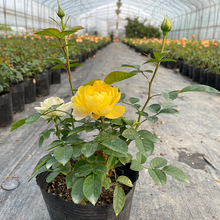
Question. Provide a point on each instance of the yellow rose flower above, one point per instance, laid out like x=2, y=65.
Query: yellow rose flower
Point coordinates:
x=97, y=100
x=50, y=102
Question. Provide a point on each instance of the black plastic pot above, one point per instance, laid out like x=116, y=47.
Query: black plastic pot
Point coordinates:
x=203, y=76
x=180, y=62
x=42, y=84
x=60, y=209
x=6, y=114
x=190, y=71
x=17, y=92
x=217, y=81
x=55, y=76
x=29, y=90
x=171, y=65
x=185, y=70
x=196, y=74
x=211, y=79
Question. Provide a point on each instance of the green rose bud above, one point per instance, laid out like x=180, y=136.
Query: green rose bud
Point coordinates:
x=60, y=12
x=166, y=26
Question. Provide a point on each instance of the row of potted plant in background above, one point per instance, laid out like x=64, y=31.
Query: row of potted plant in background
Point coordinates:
x=25, y=73
x=197, y=59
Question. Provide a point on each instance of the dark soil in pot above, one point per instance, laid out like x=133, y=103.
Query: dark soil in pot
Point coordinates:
x=59, y=209
x=211, y=79
x=55, y=76
x=42, y=84
x=17, y=92
x=30, y=90
x=6, y=114
x=203, y=76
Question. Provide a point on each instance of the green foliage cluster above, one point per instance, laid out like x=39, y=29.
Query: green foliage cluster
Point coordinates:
x=137, y=29
x=5, y=28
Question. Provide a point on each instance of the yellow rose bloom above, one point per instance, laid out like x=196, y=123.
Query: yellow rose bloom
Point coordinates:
x=60, y=111
x=96, y=101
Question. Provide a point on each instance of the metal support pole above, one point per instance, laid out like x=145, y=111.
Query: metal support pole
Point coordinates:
x=5, y=23
x=16, y=22
x=32, y=14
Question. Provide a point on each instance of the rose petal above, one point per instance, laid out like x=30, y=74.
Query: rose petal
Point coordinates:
x=118, y=111
x=79, y=115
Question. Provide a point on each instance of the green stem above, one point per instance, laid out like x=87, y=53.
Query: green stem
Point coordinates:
x=150, y=85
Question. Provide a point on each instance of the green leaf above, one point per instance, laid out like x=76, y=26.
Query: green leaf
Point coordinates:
x=91, y=82
x=153, y=119
x=148, y=147
x=169, y=96
x=41, y=162
x=106, y=183
x=199, y=88
x=130, y=133
x=52, y=32
x=59, y=66
x=145, y=147
x=75, y=64
x=63, y=154
x=92, y=188
x=148, y=135
x=136, y=165
x=149, y=71
x=169, y=111
x=154, y=108
x=122, y=97
x=89, y=148
x=54, y=144
x=77, y=151
x=112, y=160
x=100, y=169
x=68, y=32
x=132, y=66
x=158, y=162
x=116, y=144
x=40, y=142
x=50, y=162
x=158, y=176
x=75, y=130
x=32, y=118
x=158, y=55
x=52, y=176
x=18, y=124
x=117, y=121
x=113, y=153
x=117, y=76
x=118, y=199
x=82, y=168
x=73, y=139
x=65, y=169
x=176, y=173
x=56, y=60
x=141, y=158
x=151, y=61
x=124, y=180
x=77, y=191
x=133, y=100
x=168, y=105
x=70, y=179
x=167, y=59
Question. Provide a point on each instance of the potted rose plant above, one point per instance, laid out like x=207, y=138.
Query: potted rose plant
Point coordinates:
x=100, y=170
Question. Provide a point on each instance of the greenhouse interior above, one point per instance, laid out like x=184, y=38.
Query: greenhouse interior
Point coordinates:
x=109, y=109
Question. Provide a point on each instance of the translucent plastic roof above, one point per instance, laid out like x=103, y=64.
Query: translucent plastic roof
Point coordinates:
x=154, y=10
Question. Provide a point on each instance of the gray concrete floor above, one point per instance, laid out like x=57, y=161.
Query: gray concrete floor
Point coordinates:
x=190, y=141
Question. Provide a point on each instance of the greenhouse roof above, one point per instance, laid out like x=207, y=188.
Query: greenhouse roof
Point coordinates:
x=152, y=9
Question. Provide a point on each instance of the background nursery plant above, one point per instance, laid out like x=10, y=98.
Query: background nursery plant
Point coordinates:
x=88, y=167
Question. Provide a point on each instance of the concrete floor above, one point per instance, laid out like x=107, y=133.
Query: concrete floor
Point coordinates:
x=190, y=141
